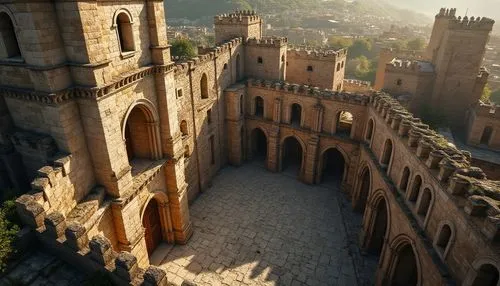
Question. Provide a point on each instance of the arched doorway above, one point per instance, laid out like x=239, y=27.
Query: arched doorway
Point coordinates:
x=486, y=137
x=259, y=145
x=364, y=191
x=379, y=228
x=152, y=225
x=487, y=275
x=296, y=115
x=332, y=167
x=405, y=272
x=292, y=156
x=344, y=123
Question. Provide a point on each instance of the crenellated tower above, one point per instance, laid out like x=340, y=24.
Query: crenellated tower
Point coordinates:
x=245, y=24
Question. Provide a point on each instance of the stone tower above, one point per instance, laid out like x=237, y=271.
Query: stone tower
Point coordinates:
x=245, y=24
x=456, y=50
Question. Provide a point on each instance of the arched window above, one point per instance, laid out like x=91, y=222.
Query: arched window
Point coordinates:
x=487, y=275
x=399, y=82
x=415, y=189
x=338, y=67
x=342, y=64
x=125, y=32
x=283, y=58
x=9, y=47
x=386, y=156
x=443, y=239
x=486, y=137
x=403, y=185
x=259, y=106
x=242, y=106
x=184, y=128
x=186, y=151
x=260, y=60
x=310, y=68
x=369, y=131
x=344, y=123
x=204, y=86
x=296, y=114
x=225, y=66
x=425, y=203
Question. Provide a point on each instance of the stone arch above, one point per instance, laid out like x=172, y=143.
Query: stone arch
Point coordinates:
x=259, y=106
x=334, y=160
x=297, y=156
x=238, y=67
x=156, y=220
x=377, y=222
x=370, y=129
x=444, y=238
x=405, y=179
x=142, y=119
x=363, y=190
x=415, y=189
x=425, y=204
x=9, y=47
x=344, y=123
x=296, y=114
x=387, y=154
x=486, y=135
x=405, y=268
x=204, y=86
x=484, y=272
x=258, y=144
x=122, y=23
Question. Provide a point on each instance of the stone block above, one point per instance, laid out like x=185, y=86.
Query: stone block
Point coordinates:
x=155, y=276
x=101, y=250
x=30, y=212
x=126, y=266
x=76, y=236
x=55, y=225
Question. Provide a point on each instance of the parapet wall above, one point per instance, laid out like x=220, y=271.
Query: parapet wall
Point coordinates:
x=312, y=54
x=306, y=90
x=466, y=23
x=488, y=110
x=243, y=17
x=451, y=167
x=272, y=41
x=70, y=241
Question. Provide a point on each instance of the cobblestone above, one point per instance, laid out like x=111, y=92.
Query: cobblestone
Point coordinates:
x=254, y=227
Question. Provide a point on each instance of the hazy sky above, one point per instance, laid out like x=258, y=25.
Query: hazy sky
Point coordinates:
x=482, y=8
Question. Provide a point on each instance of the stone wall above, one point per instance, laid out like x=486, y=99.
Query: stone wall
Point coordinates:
x=481, y=119
x=266, y=58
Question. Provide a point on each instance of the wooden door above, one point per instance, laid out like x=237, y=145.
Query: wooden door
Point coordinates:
x=152, y=224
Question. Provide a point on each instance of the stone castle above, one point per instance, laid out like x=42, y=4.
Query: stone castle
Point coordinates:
x=116, y=139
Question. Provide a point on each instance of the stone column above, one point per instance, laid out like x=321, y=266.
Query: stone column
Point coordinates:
x=178, y=201
x=310, y=160
x=273, y=149
x=318, y=123
x=277, y=111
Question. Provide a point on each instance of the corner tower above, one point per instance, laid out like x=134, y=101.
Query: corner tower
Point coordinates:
x=456, y=50
x=245, y=24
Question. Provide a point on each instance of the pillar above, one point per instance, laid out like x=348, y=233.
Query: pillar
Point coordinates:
x=310, y=162
x=273, y=149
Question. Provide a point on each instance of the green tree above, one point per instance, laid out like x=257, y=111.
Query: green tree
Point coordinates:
x=485, y=97
x=183, y=48
x=337, y=42
x=8, y=231
x=360, y=47
x=416, y=44
x=399, y=45
x=495, y=97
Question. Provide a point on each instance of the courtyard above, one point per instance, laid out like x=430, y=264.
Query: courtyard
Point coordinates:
x=254, y=227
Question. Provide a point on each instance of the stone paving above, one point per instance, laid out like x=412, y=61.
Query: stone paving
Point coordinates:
x=254, y=227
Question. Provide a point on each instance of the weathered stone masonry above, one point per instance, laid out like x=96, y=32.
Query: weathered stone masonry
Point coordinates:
x=118, y=138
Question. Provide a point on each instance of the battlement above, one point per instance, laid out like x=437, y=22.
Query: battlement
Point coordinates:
x=488, y=110
x=70, y=240
x=306, y=90
x=316, y=54
x=450, y=166
x=409, y=66
x=466, y=23
x=208, y=55
x=446, y=13
x=244, y=17
x=272, y=41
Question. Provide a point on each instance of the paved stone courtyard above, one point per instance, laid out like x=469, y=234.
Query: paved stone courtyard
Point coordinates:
x=254, y=227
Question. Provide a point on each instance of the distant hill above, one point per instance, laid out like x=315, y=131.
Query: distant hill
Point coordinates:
x=204, y=10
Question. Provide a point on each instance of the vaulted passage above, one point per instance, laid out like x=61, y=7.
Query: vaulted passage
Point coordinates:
x=405, y=271
x=379, y=228
x=333, y=165
x=152, y=225
x=259, y=145
x=292, y=155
